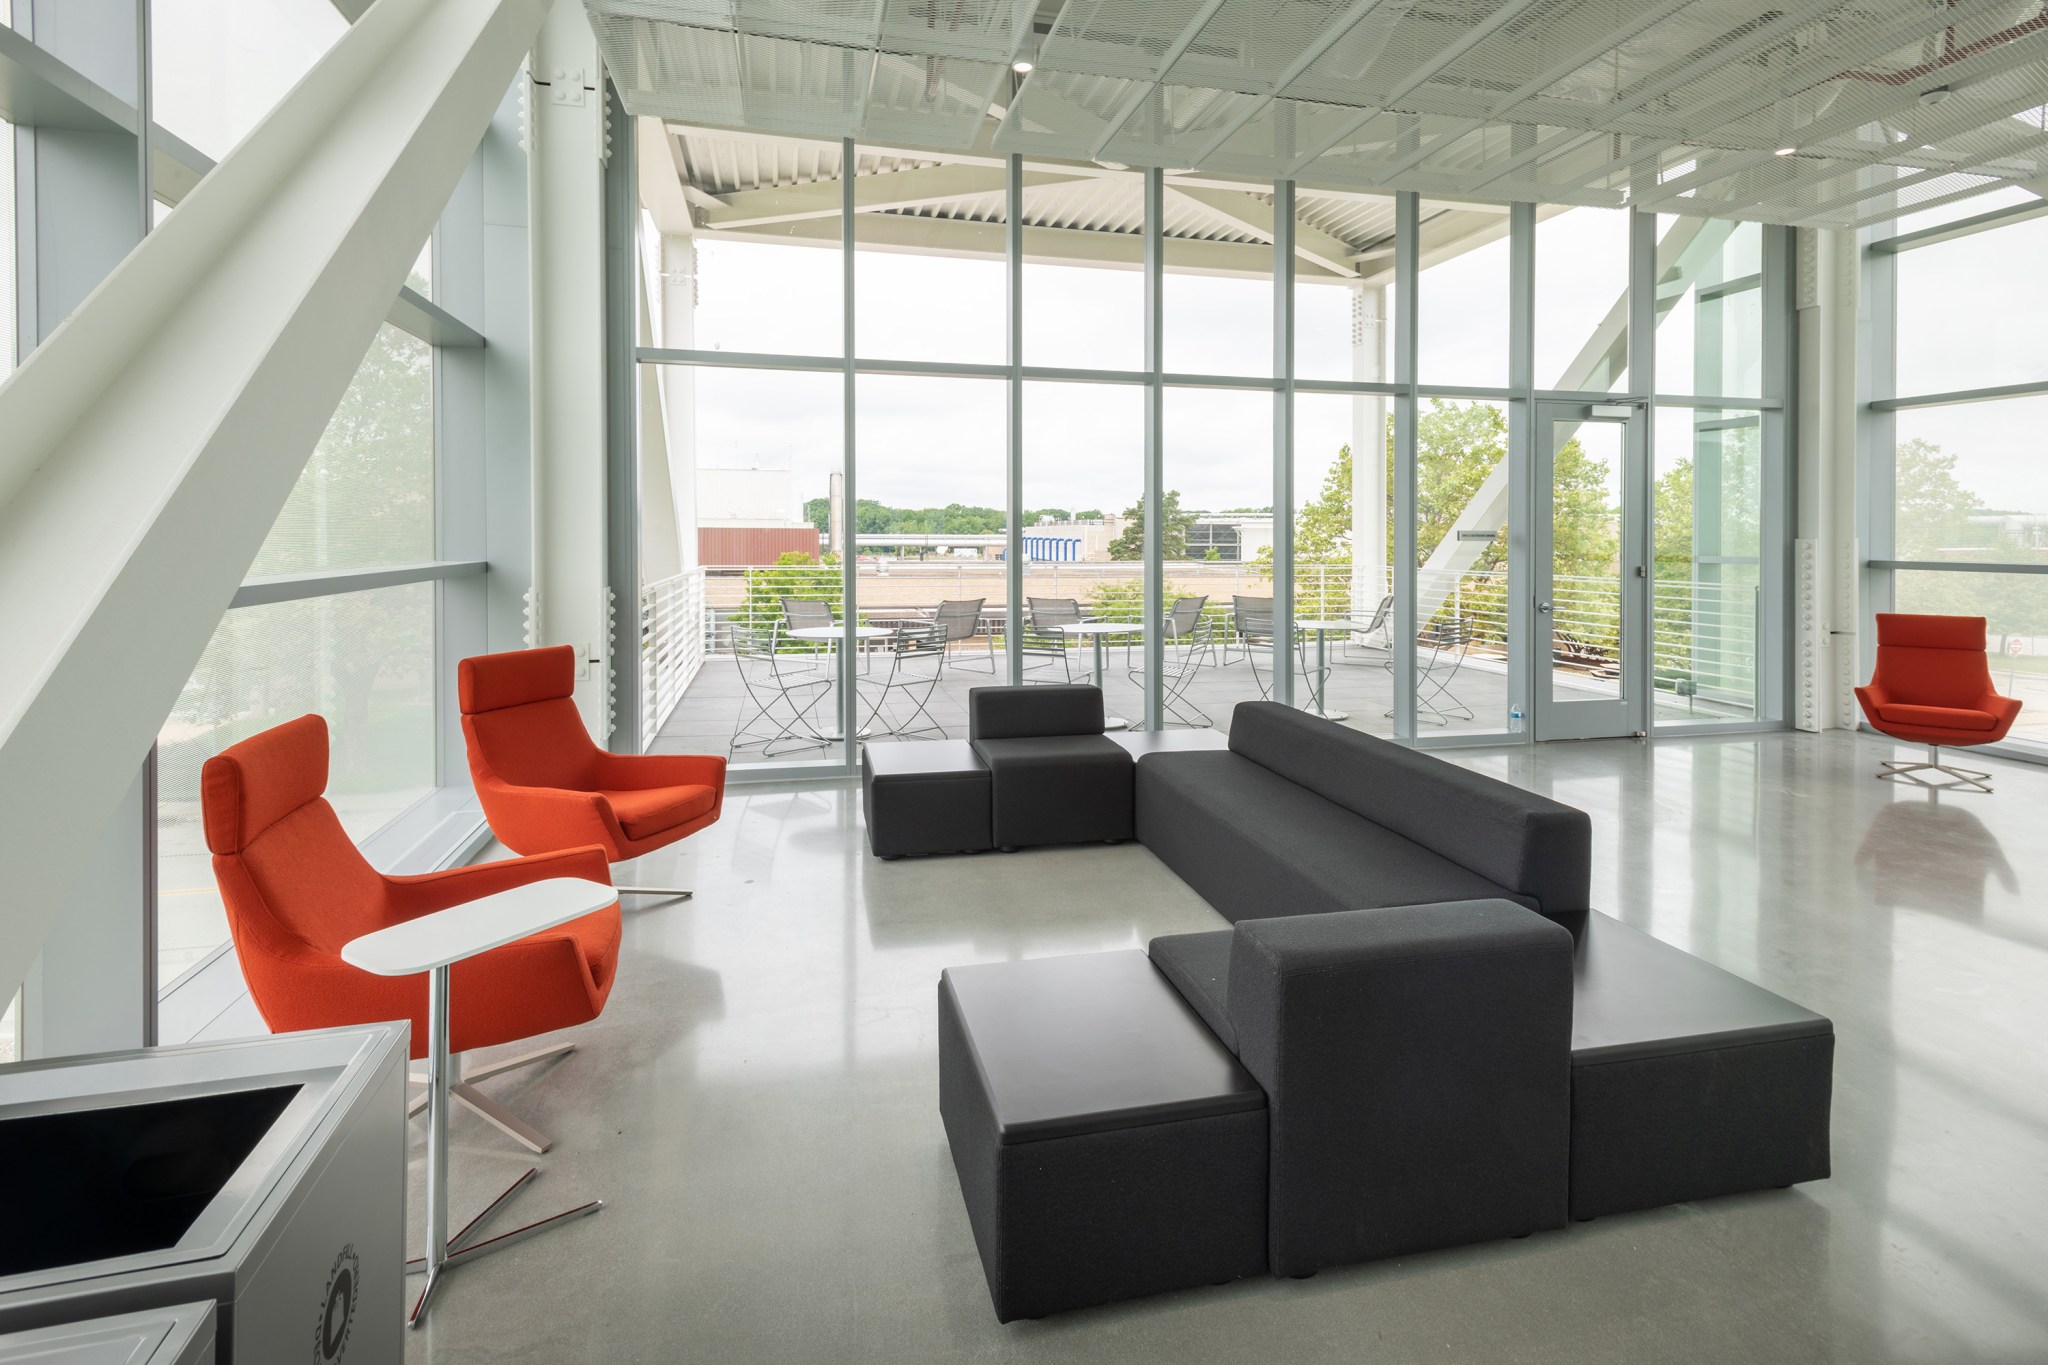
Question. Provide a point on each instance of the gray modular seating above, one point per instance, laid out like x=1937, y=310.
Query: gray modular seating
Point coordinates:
x=1443, y=1044
x=924, y=797
x=933, y=797
x=1054, y=776
x=1301, y=816
x=1687, y=1081
x=1107, y=1145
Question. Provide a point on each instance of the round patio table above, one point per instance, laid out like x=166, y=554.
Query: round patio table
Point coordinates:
x=1095, y=630
x=1317, y=693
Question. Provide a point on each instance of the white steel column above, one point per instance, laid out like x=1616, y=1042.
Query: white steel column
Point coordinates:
x=154, y=436
x=1407, y=244
x=1368, y=448
x=565, y=209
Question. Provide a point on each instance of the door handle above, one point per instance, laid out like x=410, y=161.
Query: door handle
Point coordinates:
x=1543, y=607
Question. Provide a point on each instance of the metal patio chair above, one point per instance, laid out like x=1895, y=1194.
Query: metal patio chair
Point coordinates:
x=1182, y=665
x=781, y=692
x=1440, y=652
x=916, y=658
x=802, y=613
x=962, y=621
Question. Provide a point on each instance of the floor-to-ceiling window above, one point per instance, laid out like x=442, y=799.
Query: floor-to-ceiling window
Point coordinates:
x=1958, y=520
x=1006, y=429
x=363, y=660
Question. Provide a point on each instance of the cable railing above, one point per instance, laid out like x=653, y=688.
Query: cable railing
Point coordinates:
x=1704, y=641
x=671, y=646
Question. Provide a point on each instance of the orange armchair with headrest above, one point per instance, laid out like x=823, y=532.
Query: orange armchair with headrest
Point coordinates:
x=545, y=786
x=1933, y=686
x=296, y=889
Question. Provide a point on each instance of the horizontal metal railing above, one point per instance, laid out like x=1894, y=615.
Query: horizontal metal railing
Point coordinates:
x=671, y=646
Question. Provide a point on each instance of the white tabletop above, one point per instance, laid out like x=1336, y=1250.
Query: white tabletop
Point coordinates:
x=477, y=926
x=1325, y=625
x=1101, y=627
x=825, y=635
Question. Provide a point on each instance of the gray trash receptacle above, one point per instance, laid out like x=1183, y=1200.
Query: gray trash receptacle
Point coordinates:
x=182, y=1335
x=265, y=1176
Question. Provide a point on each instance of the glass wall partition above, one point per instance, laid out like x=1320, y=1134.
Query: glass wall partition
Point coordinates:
x=1008, y=452
x=1581, y=303
x=1707, y=564
x=363, y=660
x=1083, y=535
x=1216, y=539
x=1960, y=526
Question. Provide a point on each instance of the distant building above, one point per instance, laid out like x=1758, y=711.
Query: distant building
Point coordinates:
x=1071, y=541
x=745, y=516
x=1231, y=537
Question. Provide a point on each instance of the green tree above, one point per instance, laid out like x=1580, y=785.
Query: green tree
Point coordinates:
x=1173, y=531
x=1933, y=506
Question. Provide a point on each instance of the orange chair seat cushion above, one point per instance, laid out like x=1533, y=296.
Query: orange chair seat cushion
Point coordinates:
x=643, y=814
x=1937, y=717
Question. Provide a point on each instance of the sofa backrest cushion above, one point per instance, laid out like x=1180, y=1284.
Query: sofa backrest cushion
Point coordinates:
x=1520, y=841
x=1417, y=1068
x=1034, y=712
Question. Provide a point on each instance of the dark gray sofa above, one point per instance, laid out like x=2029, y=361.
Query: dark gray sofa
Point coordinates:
x=1054, y=777
x=1301, y=816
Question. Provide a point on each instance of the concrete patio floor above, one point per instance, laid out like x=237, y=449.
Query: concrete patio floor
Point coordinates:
x=1360, y=687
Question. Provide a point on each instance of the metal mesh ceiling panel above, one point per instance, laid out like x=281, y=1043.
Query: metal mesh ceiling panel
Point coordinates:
x=917, y=71
x=1827, y=114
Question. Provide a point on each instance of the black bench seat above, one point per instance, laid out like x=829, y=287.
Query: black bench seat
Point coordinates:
x=1107, y=1145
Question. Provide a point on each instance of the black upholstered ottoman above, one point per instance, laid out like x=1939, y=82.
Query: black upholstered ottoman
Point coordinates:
x=1107, y=1145
x=1687, y=1081
x=924, y=797
x=1054, y=777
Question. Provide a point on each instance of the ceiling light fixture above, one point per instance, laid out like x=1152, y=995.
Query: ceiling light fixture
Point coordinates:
x=1784, y=151
x=1022, y=66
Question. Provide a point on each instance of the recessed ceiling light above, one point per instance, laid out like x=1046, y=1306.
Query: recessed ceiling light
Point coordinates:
x=1784, y=151
x=1021, y=67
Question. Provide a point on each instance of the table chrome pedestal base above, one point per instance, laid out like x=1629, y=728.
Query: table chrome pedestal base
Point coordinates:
x=463, y=1248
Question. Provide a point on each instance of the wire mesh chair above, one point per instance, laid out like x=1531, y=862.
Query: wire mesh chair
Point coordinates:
x=917, y=661
x=962, y=621
x=1181, y=620
x=781, y=692
x=803, y=613
x=1380, y=624
x=1251, y=628
x=1043, y=638
x=1439, y=654
x=1182, y=664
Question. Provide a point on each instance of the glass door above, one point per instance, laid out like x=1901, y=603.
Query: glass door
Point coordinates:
x=1592, y=576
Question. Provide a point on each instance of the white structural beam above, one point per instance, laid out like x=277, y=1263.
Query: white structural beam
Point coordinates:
x=1255, y=215
x=891, y=190
x=1042, y=245
x=153, y=437
x=565, y=207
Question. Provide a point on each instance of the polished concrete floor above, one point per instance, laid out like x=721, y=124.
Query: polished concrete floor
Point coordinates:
x=758, y=1104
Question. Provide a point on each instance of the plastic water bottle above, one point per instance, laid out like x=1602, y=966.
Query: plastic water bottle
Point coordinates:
x=1515, y=719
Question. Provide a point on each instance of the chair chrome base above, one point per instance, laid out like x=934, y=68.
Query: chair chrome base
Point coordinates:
x=1960, y=779
x=463, y=1248
x=488, y=1109
x=669, y=893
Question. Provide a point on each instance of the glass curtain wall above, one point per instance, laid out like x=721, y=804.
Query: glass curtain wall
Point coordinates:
x=1960, y=525
x=365, y=661
x=995, y=457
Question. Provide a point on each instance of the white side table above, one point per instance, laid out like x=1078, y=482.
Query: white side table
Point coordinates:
x=1095, y=630
x=434, y=944
x=1319, y=694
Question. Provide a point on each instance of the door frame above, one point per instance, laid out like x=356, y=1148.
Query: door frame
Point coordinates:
x=1629, y=713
